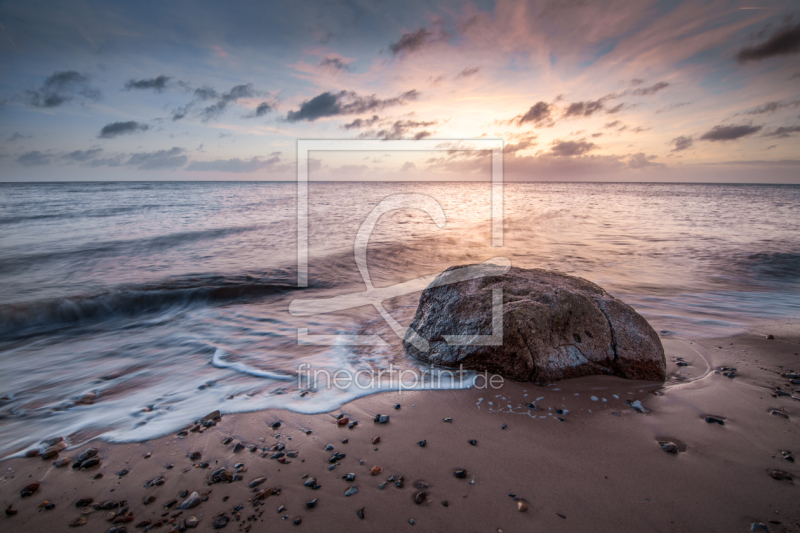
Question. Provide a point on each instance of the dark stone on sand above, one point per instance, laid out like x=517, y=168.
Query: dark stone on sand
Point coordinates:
x=445, y=503
x=275, y=425
x=460, y=474
x=448, y=420
x=349, y=477
x=227, y=441
x=342, y=421
x=422, y=443
x=383, y=419
x=195, y=456
x=345, y=441
x=221, y=522
x=397, y=406
x=360, y=513
x=123, y=472
x=256, y=482
x=714, y=420
x=32, y=453
x=781, y=475
x=787, y=455
x=87, y=453
x=312, y=503
x=310, y=482
x=504, y=426
x=149, y=500
x=10, y=511
x=376, y=440
x=771, y=337
x=669, y=447
x=298, y=521
x=352, y=490
x=352, y=424
x=544, y=313
x=473, y=442
x=420, y=497
x=84, y=502
x=191, y=502
x=238, y=447
x=329, y=447
x=400, y=482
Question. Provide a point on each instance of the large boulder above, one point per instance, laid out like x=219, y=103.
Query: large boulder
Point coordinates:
x=554, y=327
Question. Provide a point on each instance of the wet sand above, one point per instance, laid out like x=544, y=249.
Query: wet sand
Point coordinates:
x=600, y=469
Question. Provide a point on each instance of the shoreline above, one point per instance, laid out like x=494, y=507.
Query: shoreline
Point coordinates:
x=601, y=468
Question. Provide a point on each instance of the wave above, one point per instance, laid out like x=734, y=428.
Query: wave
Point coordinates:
x=127, y=247
x=134, y=300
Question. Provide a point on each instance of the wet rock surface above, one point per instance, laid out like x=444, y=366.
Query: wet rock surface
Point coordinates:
x=554, y=327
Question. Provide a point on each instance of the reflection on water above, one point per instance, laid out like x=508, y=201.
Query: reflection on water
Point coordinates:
x=129, y=290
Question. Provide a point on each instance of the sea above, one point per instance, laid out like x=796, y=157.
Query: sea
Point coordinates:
x=127, y=310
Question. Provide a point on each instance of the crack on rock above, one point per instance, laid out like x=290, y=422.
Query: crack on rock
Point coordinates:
x=610, y=328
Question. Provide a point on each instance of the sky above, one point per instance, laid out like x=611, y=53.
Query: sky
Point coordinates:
x=577, y=90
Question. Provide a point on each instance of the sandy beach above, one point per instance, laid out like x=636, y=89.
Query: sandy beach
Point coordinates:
x=598, y=464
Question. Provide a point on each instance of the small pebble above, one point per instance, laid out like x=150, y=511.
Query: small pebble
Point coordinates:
x=422, y=443
x=669, y=447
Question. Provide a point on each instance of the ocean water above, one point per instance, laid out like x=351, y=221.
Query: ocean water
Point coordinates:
x=170, y=300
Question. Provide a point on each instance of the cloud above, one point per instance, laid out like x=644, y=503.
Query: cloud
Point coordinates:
x=639, y=161
x=467, y=72
x=162, y=159
x=783, y=131
x=329, y=104
x=681, y=143
x=399, y=129
x=158, y=84
x=205, y=93
x=82, y=156
x=538, y=113
x=771, y=107
x=653, y=89
x=585, y=109
x=262, y=109
x=412, y=41
x=17, y=136
x=115, y=129
x=34, y=158
x=214, y=110
x=335, y=63
x=360, y=123
x=784, y=41
x=571, y=148
x=729, y=133
x=236, y=165
x=521, y=145
x=612, y=124
x=221, y=102
x=61, y=87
